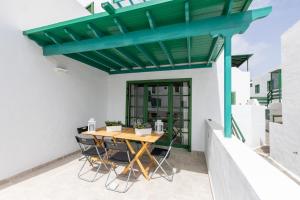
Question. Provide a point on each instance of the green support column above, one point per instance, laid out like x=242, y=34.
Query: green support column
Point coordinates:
x=227, y=86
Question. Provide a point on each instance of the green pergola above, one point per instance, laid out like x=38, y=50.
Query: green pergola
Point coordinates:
x=238, y=60
x=155, y=35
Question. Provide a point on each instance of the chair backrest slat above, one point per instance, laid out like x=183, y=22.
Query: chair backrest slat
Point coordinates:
x=82, y=129
x=120, y=146
x=85, y=141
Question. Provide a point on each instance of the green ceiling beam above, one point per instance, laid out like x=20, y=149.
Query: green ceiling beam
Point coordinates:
x=161, y=44
x=94, y=30
x=71, y=34
x=118, y=2
x=108, y=8
x=75, y=37
x=227, y=7
x=124, y=31
x=111, y=59
x=80, y=56
x=213, y=48
x=88, y=61
x=187, y=20
x=99, y=34
x=52, y=38
x=135, y=8
x=231, y=24
x=169, y=68
x=247, y=5
x=130, y=58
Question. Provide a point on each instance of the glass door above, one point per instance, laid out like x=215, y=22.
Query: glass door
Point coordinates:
x=181, y=98
x=158, y=107
x=166, y=100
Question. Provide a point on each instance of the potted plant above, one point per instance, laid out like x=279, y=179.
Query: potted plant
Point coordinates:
x=113, y=126
x=143, y=129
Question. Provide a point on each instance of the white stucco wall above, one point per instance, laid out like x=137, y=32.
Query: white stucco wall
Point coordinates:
x=263, y=82
x=237, y=173
x=41, y=108
x=205, y=96
x=241, y=85
x=286, y=144
x=251, y=121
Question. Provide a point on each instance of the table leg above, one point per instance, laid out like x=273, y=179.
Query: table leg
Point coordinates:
x=137, y=160
x=131, y=149
x=151, y=158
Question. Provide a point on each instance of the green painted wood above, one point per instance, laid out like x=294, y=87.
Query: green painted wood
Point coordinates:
x=214, y=48
x=94, y=30
x=246, y=5
x=98, y=34
x=161, y=44
x=75, y=37
x=238, y=131
x=170, y=95
x=170, y=111
x=233, y=24
x=228, y=7
x=187, y=20
x=186, y=47
x=190, y=115
x=238, y=60
x=130, y=58
x=227, y=87
x=80, y=56
x=124, y=30
x=154, y=69
x=89, y=61
x=165, y=12
x=108, y=8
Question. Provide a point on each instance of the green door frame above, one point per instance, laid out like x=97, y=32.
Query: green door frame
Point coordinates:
x=170, y=104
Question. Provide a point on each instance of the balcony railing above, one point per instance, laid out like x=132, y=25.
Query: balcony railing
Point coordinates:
x=237, y=131
x=274, y=94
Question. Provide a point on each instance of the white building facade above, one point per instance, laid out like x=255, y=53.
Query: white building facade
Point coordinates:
x=284, y=139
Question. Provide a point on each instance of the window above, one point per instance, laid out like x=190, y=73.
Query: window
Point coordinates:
x=251, y=84
x=233, y=98
x=267, y=115
x=90, y=8
x=257, y=89
x=269, y=85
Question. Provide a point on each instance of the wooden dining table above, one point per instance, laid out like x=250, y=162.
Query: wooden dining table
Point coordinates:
x=128, y=135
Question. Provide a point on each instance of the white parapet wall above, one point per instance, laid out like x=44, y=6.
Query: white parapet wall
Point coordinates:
x=251, y=121
x=238, y=173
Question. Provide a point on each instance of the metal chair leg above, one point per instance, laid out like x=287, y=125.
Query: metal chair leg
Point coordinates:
x=95, y=176
x=159, y=166
x=115, y=189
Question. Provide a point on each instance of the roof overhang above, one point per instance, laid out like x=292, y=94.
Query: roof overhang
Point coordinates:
x=238, y=60
x=155, y=35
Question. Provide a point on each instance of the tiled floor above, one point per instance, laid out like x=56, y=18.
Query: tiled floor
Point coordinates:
x=190, y=182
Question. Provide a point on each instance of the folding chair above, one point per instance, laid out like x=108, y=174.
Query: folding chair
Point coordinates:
x=161, y=155
x=82, y=129
x=120, y=156
x=91, y=151
x=79, y=131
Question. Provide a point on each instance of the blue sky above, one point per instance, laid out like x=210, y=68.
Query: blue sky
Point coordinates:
x=263, y=36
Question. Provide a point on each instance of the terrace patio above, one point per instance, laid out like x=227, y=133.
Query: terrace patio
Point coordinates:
x=172, y=63
x=59, y=180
